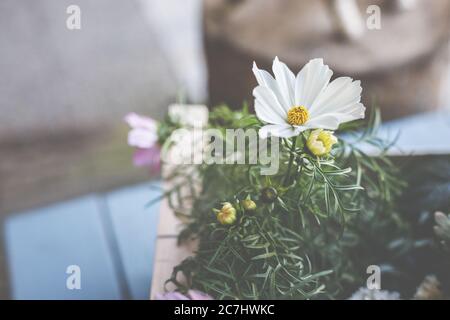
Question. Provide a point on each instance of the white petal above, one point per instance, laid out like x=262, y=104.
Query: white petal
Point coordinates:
x=300, y=129
x=340, y=94
x=265, y=114
x=137, y=121
x=332, y=120
x=267, y=106
x=351, y=112
x=311, y=81
x=286, y=82
x=265, y=79
x=142, y=138
x=277, y=130
x=338, y=103
x=325, y=121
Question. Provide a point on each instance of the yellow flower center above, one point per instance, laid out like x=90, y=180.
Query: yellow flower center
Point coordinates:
x=297, y=115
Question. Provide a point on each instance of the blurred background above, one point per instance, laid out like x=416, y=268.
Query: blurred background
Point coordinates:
x=64, y=93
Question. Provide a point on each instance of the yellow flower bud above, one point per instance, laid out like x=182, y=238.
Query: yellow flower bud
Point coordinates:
x=320, y=142
x=227, y=215
x=248, y=204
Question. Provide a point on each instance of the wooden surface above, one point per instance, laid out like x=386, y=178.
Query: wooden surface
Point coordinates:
x=66, y=92
x=111, y=237
x=417, y=135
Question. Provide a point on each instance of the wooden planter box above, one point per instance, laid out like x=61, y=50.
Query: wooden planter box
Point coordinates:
x=167, y=253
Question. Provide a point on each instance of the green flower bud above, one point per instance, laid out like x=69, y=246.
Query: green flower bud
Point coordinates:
x=269, y=194
x=320, y=142
x=248, y=204
x=227, y=215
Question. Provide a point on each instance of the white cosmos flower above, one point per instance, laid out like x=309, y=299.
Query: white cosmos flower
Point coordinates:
x=290, y=104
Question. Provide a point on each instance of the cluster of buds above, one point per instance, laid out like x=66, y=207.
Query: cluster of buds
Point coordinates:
x=228, y=214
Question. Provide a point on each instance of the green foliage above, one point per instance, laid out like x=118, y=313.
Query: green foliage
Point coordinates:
x=312, y=237
x=165, y=129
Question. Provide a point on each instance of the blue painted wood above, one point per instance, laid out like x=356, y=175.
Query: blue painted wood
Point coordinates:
x=41, y=245
x=421, y=134
x=426, y=133
x=134, y=225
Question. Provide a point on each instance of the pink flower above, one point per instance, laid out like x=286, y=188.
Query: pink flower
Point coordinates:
x=143, y=135
x=191, y=295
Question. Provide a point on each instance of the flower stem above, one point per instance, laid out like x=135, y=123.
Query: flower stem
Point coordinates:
x=291, y=160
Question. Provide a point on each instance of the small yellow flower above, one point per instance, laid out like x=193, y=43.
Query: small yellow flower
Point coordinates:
x=249, y=204
x=320, y=142
x=227, y=215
